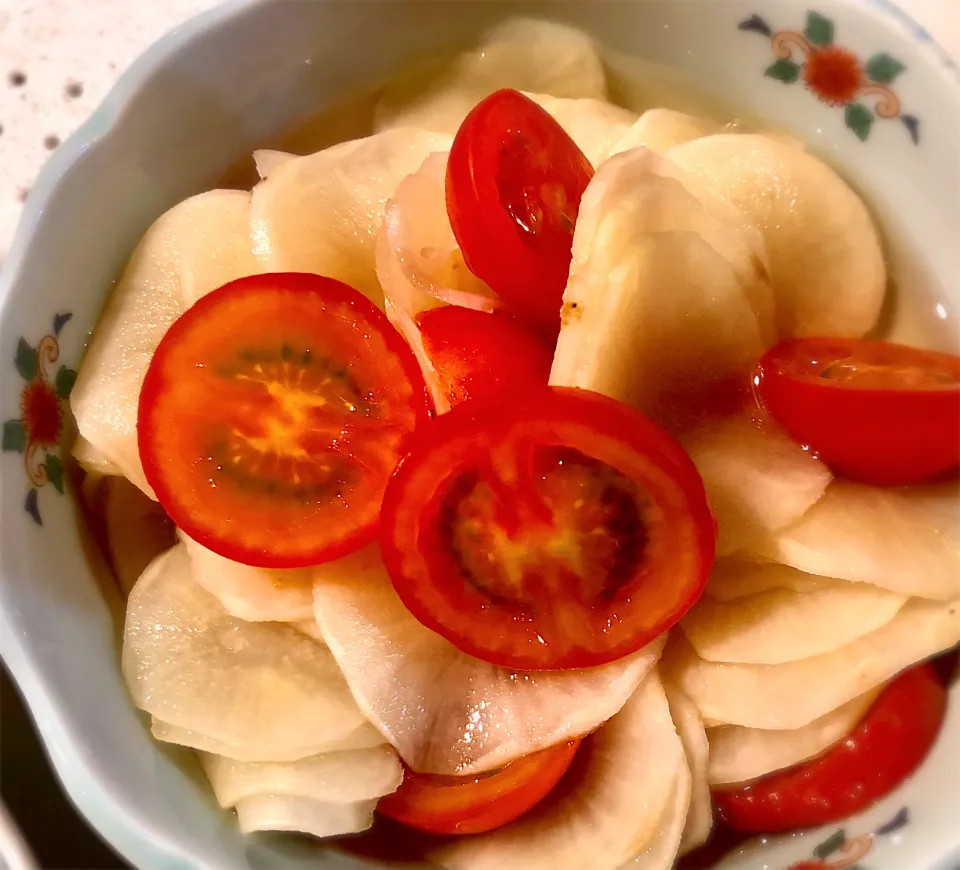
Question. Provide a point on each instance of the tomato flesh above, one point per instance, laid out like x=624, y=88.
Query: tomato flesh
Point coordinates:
x=558, y=530
x=475, y=804
x=880, y=413
x=514, y=184
x=480, y=355
x=886, y=747
x=272, y=415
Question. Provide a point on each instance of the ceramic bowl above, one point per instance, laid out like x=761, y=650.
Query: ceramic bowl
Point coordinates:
x=210, y=92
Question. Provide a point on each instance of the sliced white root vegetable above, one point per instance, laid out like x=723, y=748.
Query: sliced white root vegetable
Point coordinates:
x=740, y=754
x=819, y=235
x=783, y=625
x=322, y=213
x=665, y=846
x=663, y=129
x=689, y=725
x=267, y=160
x=364, y=736
x=792, y=695
x=732, y=579
x=906, y=540
x=249, y=593
x=92, y=460
x=524, y=54
x=310, y=628
x=192, y=249
x=757, y=478
x=595, y=125
x=333, y=777
x=137, y=530
x=608, y=809
x=661, y=307
x=419, y=264
x=445, y=711
x=189, y=663
x=283, y=813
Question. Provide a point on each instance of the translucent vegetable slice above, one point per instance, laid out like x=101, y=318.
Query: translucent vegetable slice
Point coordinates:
x=333, y=777
x=792, y=695
x=665, y=304
x=249, y=593
x=739, y=754
x=595, y=125
x=818, y=233
x=733, y=579
x=689, y=725
x=758, y=480
x=445, y=711
x=521, y=53
x=663, y=129
x=301, y=815
x=906, y=540
x=92, y=460
x=783, y=625
x=322, y=213
x=596, y=817
x=189, y=663
x=194, y=248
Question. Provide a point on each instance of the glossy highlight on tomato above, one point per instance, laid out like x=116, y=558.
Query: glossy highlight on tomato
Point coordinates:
x=272, y=415
x=886, y=747
x=514, y=184
x=880, y=413
x=557, y=529
x=475, y=804
x=478, y=355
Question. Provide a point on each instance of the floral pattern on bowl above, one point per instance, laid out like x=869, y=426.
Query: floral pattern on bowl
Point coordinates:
x=838, y=852
x=835, y=75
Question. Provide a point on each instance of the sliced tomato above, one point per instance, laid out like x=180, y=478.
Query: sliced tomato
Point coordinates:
x=474, y=804
x=272, y=415
x=480, y=355
x=881, y=413
x=886, y=747
x=514, y=184
x=559, y=529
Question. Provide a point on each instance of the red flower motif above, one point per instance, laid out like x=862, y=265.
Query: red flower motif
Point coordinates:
x=834, y=74
x=810, y=864
x=40, y=413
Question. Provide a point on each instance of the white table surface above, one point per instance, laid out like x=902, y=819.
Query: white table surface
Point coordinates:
x=58, y=58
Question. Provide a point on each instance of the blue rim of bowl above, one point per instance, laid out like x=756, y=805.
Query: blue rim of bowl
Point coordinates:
x=136, y=838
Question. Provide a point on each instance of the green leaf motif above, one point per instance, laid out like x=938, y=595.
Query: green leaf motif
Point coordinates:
x=859, y=119
x=64, y=382
x=883, y=69
x=26, y=361
x=14, y=437
x=54, y=470
x=819, y=30
x=785, y=71
x=830, y=845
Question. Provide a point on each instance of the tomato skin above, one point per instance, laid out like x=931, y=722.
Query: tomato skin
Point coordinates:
x=204, y=403
x=470, y=510
x=514, y=184
x=474, y=805
x=885, y=433
x=480, y=355
x=886, y=747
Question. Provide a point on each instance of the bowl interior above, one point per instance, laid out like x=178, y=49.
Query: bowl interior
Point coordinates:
x=205, y=97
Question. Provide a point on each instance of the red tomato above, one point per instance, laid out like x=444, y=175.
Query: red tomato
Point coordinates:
x=560, y=529
x=876, y=412
x=272, y=415
x=479, y=355
x=474, y=804
x=886, y=747
x=514, y=183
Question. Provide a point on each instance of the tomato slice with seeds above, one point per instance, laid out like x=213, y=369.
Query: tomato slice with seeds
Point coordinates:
x=558, y=530
x=475, y=804
x=272, y=415
x=480, y=355
x=514, y=184
x=881, y=413
x=886, y=747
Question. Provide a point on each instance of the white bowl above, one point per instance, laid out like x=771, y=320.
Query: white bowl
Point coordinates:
x=206, y=95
